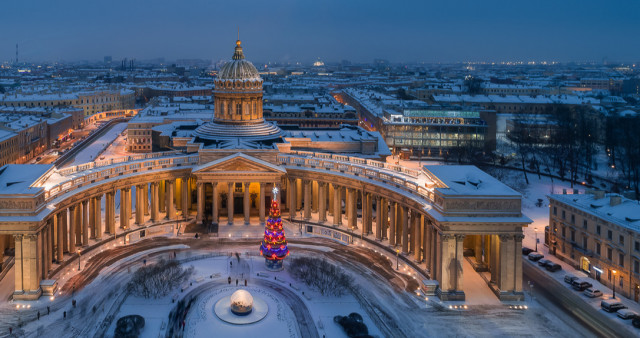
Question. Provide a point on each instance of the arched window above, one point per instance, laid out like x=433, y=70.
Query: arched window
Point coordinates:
x=239, y=108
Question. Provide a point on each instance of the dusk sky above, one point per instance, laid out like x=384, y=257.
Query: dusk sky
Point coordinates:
x=356, y=30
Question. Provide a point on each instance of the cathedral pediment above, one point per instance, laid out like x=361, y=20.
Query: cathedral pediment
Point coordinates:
x=239, y=163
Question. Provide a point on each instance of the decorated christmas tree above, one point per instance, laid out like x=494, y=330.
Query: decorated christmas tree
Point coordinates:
x=274, y=245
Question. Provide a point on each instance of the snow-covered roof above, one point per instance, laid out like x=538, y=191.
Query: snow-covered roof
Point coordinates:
x=626, y=213
x=467, y=180
x=18, y=178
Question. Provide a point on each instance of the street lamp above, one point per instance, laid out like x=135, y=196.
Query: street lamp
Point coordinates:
x=397, y=255
x=614, y=283
x=78, y=259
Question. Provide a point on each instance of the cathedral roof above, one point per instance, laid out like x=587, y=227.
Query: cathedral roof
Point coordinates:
x=239, y=68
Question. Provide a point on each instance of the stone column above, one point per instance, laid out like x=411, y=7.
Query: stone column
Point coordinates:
x=171, y=210
x=124, y=218
x=322, y=202
x=72, y=228
x=331, y=193
x=517, y=270
x=65, y=230
x=155, y=202
x=352, y=215
x=506, y=271
x=385, y=218
x=298, y=194
x=247, y=204
x=161, y=196
x=292, y=198
x=92, y=220
x=18, y=264
x=139, y=206
x=110, y=213
x=378, y=218
x=145, y=198
x=261, y=201
x=417, y=237
x=45, y=249
x=230, y=202
x=50, y=245
x=98, y=222
x=405, y=230
x=307, y=200
x=78, y=225
x=82, y=237
x=59, y=241
x=185, y=198
x=392, y=223
x=477, y=250
x=314, y=196
x=129, y=205
x=200, y=214
x=87, y=219
x=214, y=209
x=425, y=241
x=337, y=207
x=369, y=208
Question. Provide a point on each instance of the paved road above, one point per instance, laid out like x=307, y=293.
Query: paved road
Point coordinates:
x=556, y=294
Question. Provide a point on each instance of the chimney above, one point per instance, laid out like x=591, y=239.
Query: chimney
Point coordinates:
x=598, y=194
x=615, y=200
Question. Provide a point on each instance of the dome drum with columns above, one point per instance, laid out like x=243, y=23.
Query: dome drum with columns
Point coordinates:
x=238, y=104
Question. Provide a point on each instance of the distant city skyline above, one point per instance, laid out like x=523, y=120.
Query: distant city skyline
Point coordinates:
x=303, y=31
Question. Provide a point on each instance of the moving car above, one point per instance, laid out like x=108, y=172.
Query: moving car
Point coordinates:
x=611, y=305
x=627, y=314
x=535, y=256
x=553, y=267
x=526, y=251
x=581, y=285
x=636, y=322
x=544, y=262
x=569, y=278
x=592, y=293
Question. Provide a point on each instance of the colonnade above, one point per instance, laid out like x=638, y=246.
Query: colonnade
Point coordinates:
x=410, y=232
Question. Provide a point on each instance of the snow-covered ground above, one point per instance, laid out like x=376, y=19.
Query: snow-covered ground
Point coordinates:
x=89, y=153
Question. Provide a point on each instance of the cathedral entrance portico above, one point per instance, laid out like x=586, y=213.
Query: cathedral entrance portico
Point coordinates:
x=240, y=188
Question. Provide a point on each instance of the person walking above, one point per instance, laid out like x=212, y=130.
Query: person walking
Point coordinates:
x=236, y=282
x=48, y=310
x=64, y=315
x=38, y=315
x=245, y=282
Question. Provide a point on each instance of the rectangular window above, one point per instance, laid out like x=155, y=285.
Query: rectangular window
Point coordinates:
x=584, y=224
x=621, y=260
x=609, y=234
x=609, y=254
x=636, y=267
x=563, y=215
x=598, y=229
x=621, y=239
x=555, y=211
x=564, y=232
x=584, y=242
x=621, y=281
x=637, y=246
x=598, y=249
x=573, y=235
x=573, y=219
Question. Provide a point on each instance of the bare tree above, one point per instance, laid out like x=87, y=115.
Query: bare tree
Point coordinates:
x=157, y=280
x=319, y=274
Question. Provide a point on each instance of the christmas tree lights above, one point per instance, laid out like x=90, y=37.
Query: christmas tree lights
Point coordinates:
x=274, y=245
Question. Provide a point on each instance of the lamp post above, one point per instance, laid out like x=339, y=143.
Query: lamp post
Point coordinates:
x=536, y=231
x=397, y=255
x=78, y=259
x=614, y=283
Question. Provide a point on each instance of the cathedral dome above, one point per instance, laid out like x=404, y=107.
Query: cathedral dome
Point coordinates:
x=239, y=68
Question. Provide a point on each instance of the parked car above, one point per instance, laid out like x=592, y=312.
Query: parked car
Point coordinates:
x=544, y=262
x=526, y=251
x=581, y=285
x=553, y=267
x=569, y=278
x=592, y=293
x=636, y=322
x=535, y=256
x=627, y=314
x=611, y=305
